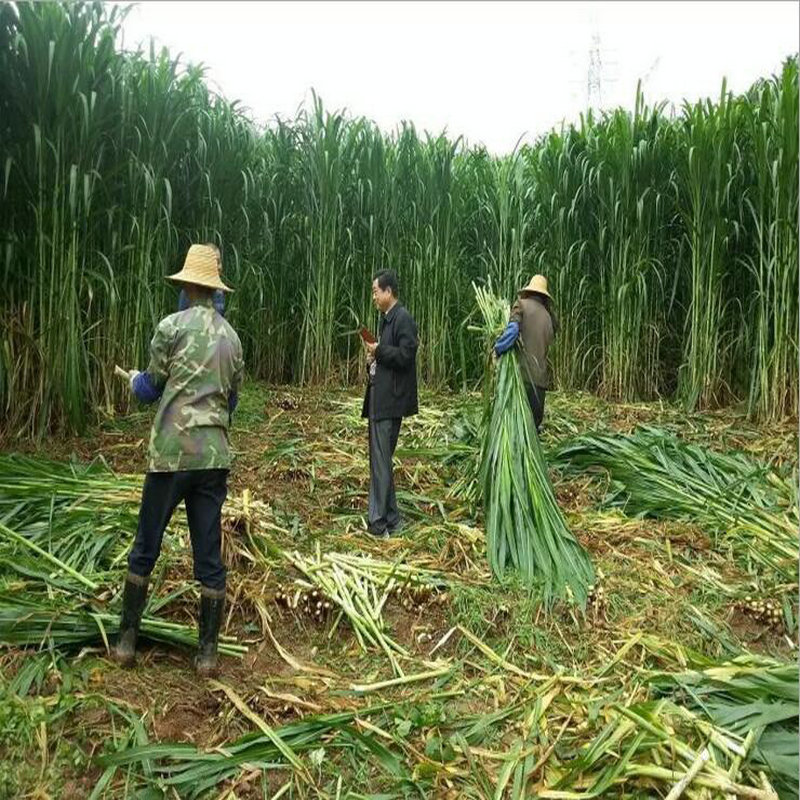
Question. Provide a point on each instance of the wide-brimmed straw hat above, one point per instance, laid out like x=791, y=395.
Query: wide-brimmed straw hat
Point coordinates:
x=538, y=284
x=201, y=269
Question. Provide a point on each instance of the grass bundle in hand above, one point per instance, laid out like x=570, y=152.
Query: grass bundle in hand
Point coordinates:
x=525, y=529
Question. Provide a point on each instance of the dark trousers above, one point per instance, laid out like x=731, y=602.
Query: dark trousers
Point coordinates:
x=204, y=491
x=536, y=399
x=383, y=433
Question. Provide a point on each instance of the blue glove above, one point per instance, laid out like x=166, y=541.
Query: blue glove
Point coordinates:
x=144, y=389
x=218, y=300
x=506, y=341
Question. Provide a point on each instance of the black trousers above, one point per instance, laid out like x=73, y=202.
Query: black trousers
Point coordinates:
x=204, y=491
x=383, y=433
x=536, y=400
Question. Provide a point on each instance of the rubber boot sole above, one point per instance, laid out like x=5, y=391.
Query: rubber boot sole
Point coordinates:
x=124, y=660
x=206, y=670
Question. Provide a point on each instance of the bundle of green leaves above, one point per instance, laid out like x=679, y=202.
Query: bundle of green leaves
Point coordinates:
x=525, y=529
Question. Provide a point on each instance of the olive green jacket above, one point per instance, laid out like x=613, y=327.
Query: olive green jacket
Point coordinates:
x=537, y=329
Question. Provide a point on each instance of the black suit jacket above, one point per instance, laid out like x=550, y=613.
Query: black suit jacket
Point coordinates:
x=395, y=389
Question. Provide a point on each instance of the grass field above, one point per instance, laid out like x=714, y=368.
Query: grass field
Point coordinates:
x=669, y=240
x=468, y=689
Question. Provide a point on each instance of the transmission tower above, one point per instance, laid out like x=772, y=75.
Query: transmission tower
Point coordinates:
x=594, y=75
x=597, y=79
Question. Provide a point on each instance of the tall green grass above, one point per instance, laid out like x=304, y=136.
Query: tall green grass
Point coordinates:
x=670, y=241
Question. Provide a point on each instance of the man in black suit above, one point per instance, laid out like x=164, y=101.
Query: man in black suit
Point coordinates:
x=391, y=395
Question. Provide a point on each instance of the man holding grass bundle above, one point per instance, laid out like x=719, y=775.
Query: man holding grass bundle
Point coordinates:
x=391, y=395
x=195, y=370
x=533, y=322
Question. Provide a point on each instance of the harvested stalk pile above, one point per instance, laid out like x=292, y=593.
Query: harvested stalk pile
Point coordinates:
x=525, y=529
x=754, y=701
x=360, y=587
x=750, y=505
x=65, y=530
x=85, y=486
x=31, y=620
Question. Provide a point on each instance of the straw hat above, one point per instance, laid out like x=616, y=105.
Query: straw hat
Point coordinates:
x=538, y=284
x=200, y=268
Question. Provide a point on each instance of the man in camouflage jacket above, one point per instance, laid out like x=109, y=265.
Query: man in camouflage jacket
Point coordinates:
x=195, y=371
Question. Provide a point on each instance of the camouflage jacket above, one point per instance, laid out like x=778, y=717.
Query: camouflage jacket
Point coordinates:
x=196, y=364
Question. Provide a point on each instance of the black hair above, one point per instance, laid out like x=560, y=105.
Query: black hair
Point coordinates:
x=387, y=279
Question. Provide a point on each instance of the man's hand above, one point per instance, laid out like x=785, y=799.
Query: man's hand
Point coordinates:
x=370, y=349
x=128, y=375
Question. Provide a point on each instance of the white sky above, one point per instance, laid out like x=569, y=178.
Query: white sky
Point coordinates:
x=490, y=71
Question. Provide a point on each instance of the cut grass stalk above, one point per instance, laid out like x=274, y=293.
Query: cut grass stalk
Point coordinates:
x=365, y=688
x=359, y=586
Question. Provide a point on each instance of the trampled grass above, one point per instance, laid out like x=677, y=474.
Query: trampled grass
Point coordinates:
x=498, y=696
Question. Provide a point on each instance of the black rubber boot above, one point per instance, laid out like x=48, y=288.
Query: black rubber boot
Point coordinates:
x=212, y=604
x=133, y=600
